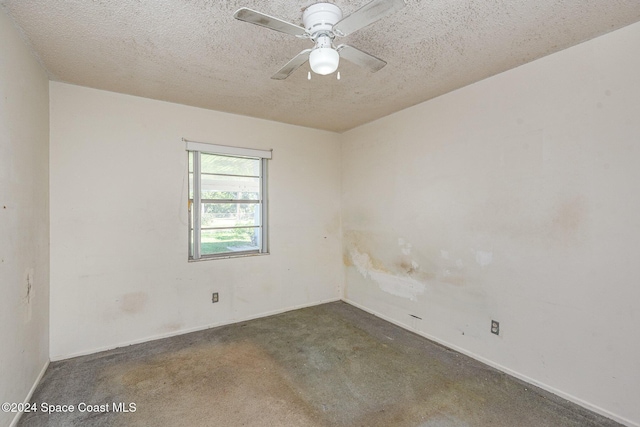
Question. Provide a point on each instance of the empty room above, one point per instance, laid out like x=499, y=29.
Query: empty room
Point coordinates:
x=299, y=213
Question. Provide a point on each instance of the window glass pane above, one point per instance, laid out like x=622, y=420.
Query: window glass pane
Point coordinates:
x=233, y=240
x=227, y=225
x=229, y=187
x=211, y=163
x=230, y=214
x=190, y=175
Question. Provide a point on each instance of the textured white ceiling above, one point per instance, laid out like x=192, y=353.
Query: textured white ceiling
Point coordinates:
x=195, y=53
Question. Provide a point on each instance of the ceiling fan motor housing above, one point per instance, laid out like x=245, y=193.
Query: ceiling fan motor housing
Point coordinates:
x=321, y=17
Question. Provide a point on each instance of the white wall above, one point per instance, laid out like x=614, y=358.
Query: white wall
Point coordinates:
x=24, y=218
x=517, y=199
x=119, y=270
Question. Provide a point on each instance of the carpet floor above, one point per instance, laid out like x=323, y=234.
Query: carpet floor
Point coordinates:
x=328, y=365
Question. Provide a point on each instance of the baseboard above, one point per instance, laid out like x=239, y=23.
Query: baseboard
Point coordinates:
x=55, y=358
x=28, y=398
x=499, y=367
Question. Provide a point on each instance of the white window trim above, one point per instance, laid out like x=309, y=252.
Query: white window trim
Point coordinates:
x=263, y=155
x=204, y=147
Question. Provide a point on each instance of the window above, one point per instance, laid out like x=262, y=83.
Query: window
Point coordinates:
x=227, y=201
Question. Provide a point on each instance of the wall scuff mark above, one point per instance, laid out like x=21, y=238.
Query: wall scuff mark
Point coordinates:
x=29, y=292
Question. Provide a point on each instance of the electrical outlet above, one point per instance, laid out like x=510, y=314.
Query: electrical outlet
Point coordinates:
x=214, y=297
x=495, y=327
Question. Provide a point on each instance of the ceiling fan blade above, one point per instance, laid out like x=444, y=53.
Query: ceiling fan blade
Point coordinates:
x=259, y=18
x=361, y=58
x=292, y=65
x=366, y=15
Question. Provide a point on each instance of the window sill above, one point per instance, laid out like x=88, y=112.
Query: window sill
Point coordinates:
x=228, y=255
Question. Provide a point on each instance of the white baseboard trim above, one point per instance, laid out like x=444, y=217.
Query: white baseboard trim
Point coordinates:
x=504, y=369
x=28, y=398
x=58, y=357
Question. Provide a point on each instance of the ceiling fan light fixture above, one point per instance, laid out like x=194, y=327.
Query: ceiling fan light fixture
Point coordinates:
x=324, y=60
x=323, y=22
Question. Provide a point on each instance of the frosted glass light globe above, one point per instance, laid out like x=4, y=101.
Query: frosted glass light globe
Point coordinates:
x=324, y=60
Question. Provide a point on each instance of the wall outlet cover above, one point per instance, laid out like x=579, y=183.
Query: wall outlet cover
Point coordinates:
x=495, y=327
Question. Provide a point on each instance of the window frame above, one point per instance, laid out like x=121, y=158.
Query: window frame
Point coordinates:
x=194, y=211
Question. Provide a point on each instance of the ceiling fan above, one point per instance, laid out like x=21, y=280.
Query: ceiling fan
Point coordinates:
x=323, y=22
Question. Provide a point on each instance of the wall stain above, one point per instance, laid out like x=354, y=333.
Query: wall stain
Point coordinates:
x=396, y=260
x=407, y=267
x=570, y=215
x=366, y=243
x=546, y=222
x=424, y=276
x=457, y=280
x=172, y=327
x=379, y=265
x=134, y=302
x=346, y=260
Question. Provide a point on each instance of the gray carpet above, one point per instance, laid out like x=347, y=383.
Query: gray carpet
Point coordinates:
x=330, y=365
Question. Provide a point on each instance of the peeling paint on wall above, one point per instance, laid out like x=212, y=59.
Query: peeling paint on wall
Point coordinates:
x=361, y=261
x=405, y=247
x=484, y=258
x=404, y=287
x=402, y=270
